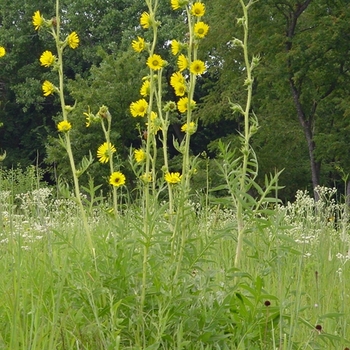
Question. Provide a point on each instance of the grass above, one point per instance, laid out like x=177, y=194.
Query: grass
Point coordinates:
x=291, y=292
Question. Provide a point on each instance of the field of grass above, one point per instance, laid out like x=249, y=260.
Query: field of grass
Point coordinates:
x=156, y=291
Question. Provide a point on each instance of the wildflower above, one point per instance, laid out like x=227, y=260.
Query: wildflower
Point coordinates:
x=182, y=62
x=139, y=44
x=2, y=51
x=64, y=126
x=139, y=155
x=144, y=91
x=155, y=62
x=146, y=178
x=154, y=123
x=117, y=179
x=201, y=29
x=189, y=128
x=38, y=20
x=180, y=89
x=197, y=67
x=182, y=104
x=198, y=9
x=175, y=47
x=105, y=151
x=173, y=178
x=176, y=4
x=139, y=108
x=170, y=106
x=145, y=20
x=48, y=88
x=47, y=59
x=73, y=40
x=177, y=78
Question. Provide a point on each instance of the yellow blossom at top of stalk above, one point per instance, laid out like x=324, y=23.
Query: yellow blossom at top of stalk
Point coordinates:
x=180, y=89
x=145, y=20
x=189, y=128
x=155, y=62
x=182, y=62
x=197, y=67
x=47, y=59
x=177, y=78
x=139, y=155
x=139, y=44
x=117, y=179
x=139, y=108
x=173, y=178
x=176, y=4
x=182, y=104
x=201, y=30
x=175, y=47
x=64, y=126
x=198, y=9
x=2, y=51
x=73, y=40
x=145, y=88
x=105, y=151
x=38, y=20
x=48, y=88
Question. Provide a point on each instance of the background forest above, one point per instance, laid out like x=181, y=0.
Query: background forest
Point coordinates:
x=301, y=90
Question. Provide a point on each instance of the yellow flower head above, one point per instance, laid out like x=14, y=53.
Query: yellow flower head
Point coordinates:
x=173, y=178
x=197, y=67
x=177, y=78
x=146, y=178
x=139, y=44
x=2, y=51
x=201, y=29
x=64, y=126
x=48, y=88
x=105, y=151
x=182, y=104
x=182, y=62
x=47, y=59
x=73, y=40
x=117, y=179
x=139, y=108
x=155, y=62
x=198, y=9
x=144, y=91
x=139, y=155
x=38, y=20
x=180, y=89
x=145, y=20
x=175, y=47
x=189, y=128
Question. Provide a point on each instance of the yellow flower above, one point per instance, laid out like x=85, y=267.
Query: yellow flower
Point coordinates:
x=145, y=20
x=47, y=59
x=146, y=178
x=64, y=126
x=139, y=108
x=182, y=104
x=139, y=155
x=180, y=89
x=48, y=88
x=38, y=20
x=173, y=178
x=182, y=62
x=105, y=151
x=198, y=9
x=2, y=51
x=197, y=67
x=155, y=62
x=139, y=44
x=73, y=40
x=117, y=179
x=175, y=4
x=177, y=78
x=144, y=91
x=201, y=30
x=175, y=47
x=189, y=128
